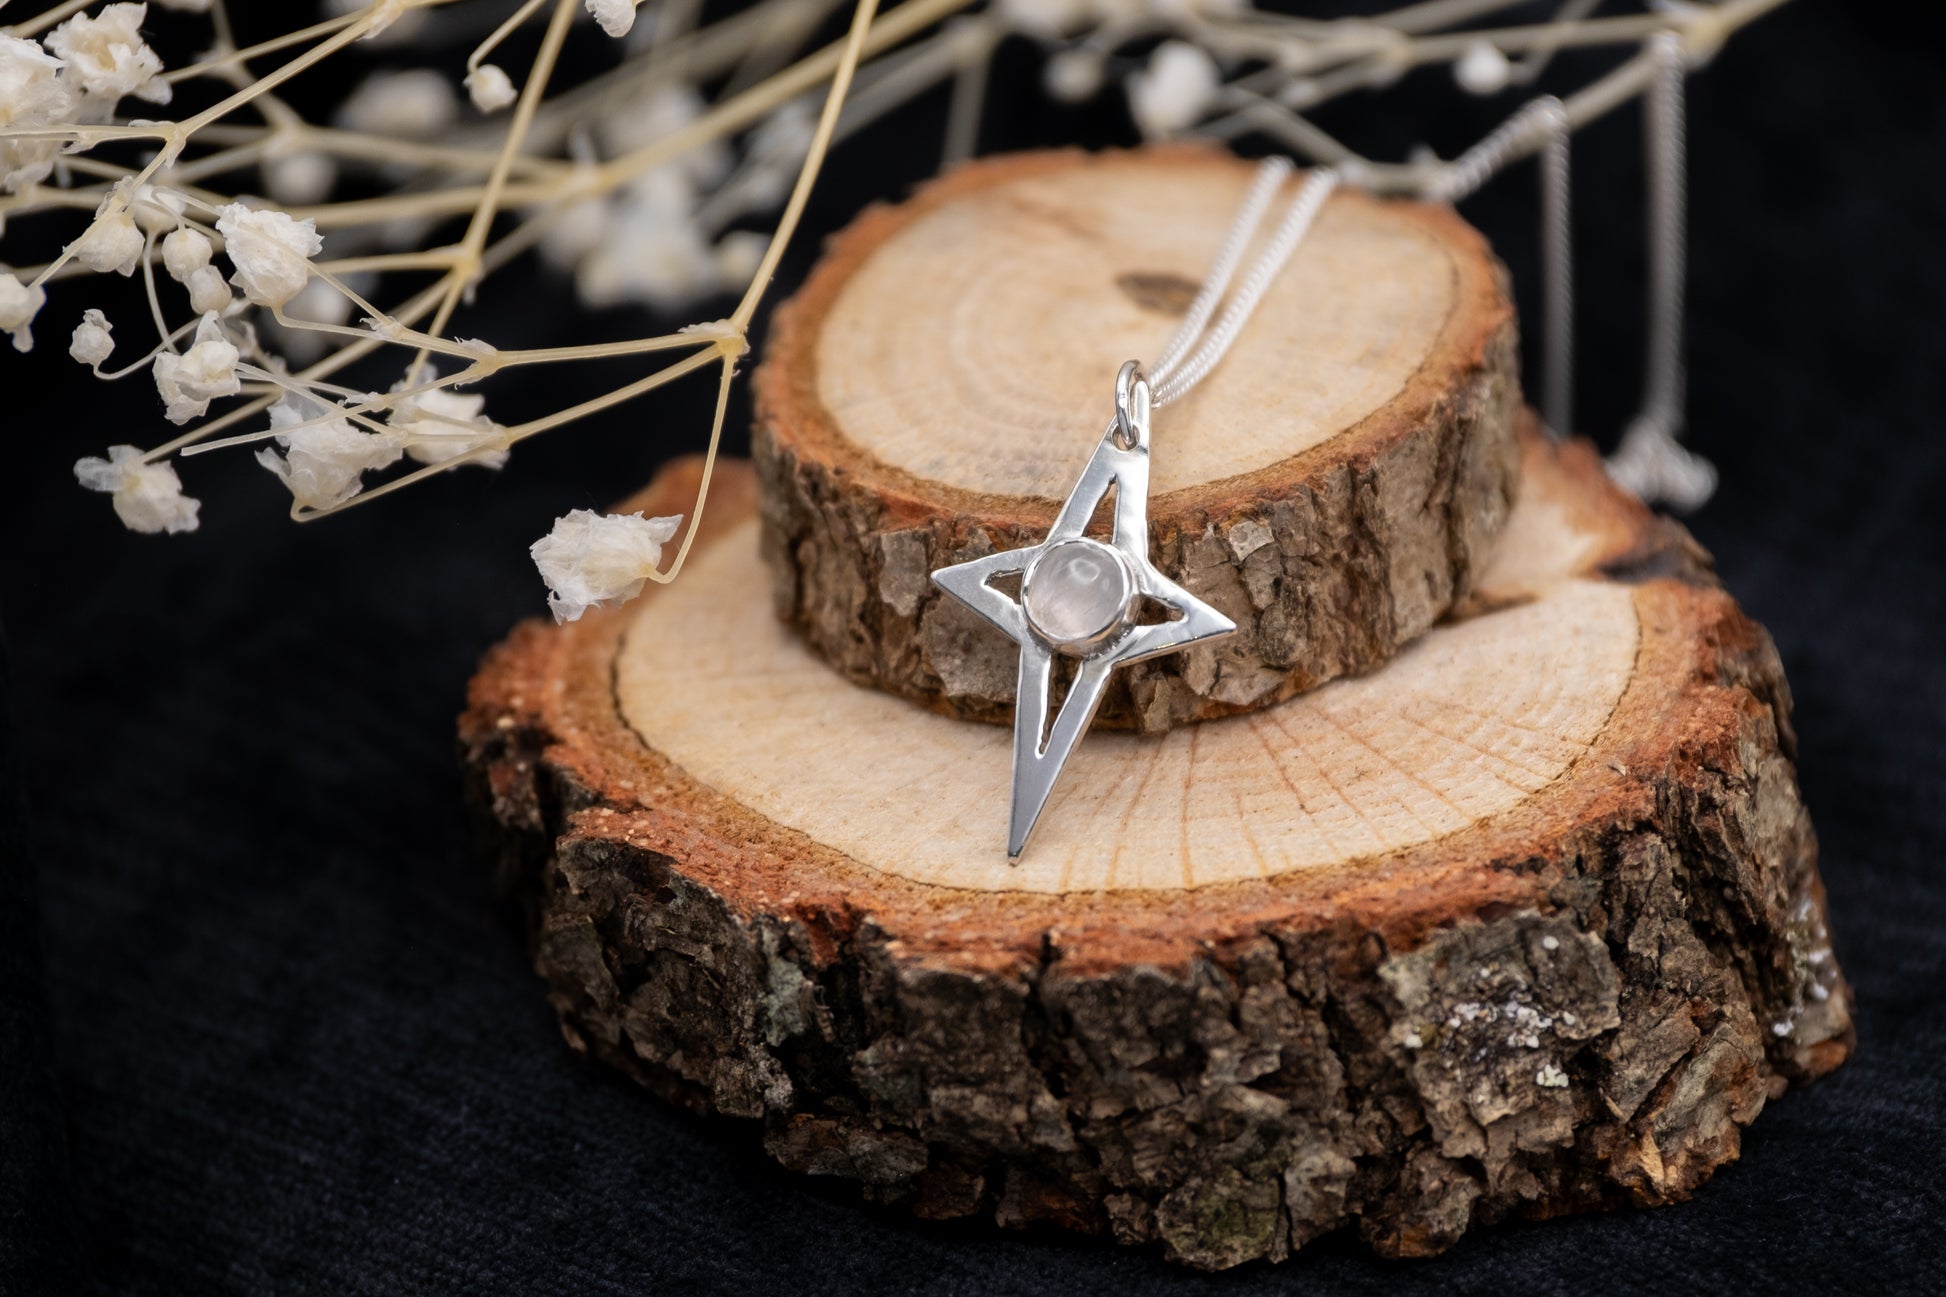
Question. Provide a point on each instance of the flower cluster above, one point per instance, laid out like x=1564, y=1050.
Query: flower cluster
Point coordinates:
x=290, y=308
x=248, y=270
x=86, y=66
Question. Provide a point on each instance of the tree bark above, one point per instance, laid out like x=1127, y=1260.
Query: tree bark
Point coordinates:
x=1526, y=922
x=932, y=392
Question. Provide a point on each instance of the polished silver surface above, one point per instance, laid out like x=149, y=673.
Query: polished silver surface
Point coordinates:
x=1097, y=627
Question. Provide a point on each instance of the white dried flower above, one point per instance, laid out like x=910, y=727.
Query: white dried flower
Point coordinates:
x=32, y=92
x=665, y=108
x=775, y=150
x=189, y=382
x=147, y=497
x=658, y=260
x=300, y=178
x=111, y=242
x=661, y=192
x=19, y=304
x=321, y=302
x=184, y=252
x=738, y=254
x=208, y=291
x=588, y=560
x=1073, y=75
x=414, y=104
x=442, y=425
x=654, y=252
x=614, y=16
x=107, y=55
x=272, y=253
x=489, y=87
x=576, y=232
x=1174, y=90
x=91, y=344
x=322, y=464
x=1482, y=69
x=33, y=95
x=1044, y=19
x=156, y=209
x=785, y=135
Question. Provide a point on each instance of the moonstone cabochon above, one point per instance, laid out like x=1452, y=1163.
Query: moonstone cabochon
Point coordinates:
x=1077, y=592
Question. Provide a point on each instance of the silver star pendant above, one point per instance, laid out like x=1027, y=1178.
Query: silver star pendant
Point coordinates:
x=1083, y=598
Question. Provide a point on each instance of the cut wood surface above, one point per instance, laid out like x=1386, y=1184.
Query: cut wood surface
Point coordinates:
x=1526, y=922
x=935, y=388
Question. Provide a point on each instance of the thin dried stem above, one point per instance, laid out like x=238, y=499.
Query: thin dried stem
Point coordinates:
x=565, y=156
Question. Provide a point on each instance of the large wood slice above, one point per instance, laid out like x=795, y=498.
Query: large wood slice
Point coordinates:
x=1526, y=922
x=935, y=388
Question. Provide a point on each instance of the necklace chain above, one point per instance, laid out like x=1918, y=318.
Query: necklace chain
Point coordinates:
x=1180, y=368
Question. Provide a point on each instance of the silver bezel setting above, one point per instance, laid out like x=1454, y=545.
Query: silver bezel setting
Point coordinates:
x=1117, y=625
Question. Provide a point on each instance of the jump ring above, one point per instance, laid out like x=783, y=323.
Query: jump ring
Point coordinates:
x=1131, y=405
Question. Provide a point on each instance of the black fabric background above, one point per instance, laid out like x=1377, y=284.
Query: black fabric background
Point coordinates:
x=281, y=1040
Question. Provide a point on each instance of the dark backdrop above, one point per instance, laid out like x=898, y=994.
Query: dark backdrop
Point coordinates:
x=270, y=1035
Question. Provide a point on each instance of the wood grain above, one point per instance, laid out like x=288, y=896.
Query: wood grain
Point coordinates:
x=977, y=331
x=1465, y=725
x=1526, y=922
x=932, y=391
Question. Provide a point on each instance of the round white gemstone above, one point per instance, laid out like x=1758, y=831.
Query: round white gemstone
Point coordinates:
x=1077, y=592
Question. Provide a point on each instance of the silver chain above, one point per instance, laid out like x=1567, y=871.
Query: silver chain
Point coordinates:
x=1197, y=347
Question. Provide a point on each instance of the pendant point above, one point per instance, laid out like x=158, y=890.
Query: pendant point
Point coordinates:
x=1017, y=846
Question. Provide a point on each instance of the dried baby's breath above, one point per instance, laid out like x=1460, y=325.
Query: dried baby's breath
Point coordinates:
x=278, y=254
x=588, y=560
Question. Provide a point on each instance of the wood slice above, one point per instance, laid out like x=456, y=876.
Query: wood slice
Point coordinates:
x=1526, y=922
x=935, y=388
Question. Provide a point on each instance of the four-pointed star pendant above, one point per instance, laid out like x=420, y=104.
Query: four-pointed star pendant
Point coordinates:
x=1081, y=597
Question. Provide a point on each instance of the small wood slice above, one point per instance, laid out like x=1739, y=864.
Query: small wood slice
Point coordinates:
x=1526, y=922
x=932, y=393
